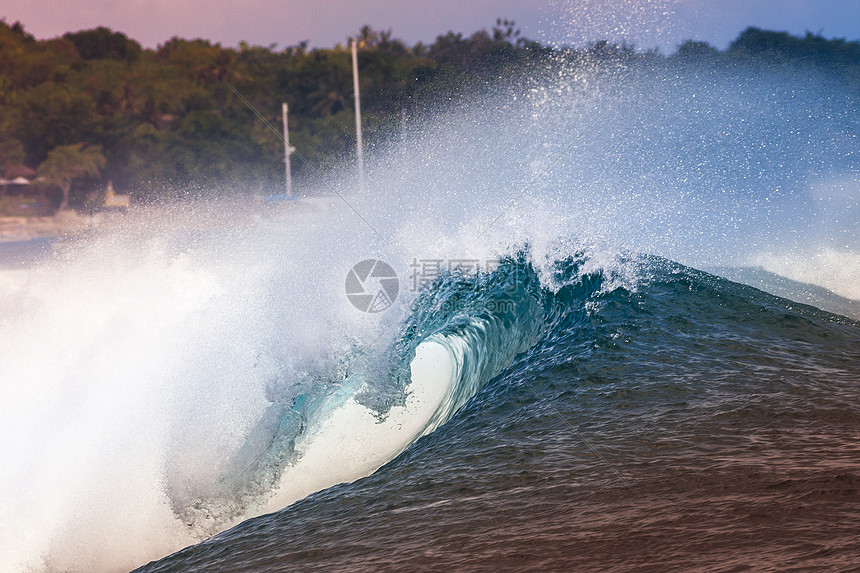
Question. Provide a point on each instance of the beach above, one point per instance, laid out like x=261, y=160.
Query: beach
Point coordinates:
x=26, y=240
x=64, y=223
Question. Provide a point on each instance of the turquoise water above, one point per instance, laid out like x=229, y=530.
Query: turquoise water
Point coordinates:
x=684, y=423
x=193, y=389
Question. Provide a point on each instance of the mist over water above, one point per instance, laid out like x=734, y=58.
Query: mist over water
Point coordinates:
x=701, y=165
x=137, y=362
x=645, y=23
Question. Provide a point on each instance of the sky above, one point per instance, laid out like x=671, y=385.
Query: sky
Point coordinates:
x=646, y=23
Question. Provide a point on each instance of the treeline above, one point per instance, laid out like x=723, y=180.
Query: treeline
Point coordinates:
x=181, y=115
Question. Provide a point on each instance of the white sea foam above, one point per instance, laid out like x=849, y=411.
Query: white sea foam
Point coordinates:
x=135, y=361
x=350, y=442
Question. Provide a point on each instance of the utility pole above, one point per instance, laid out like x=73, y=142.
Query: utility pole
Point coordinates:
x=287, y=151
x=357, y=114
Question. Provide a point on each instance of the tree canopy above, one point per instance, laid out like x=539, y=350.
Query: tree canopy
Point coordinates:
x=65, y=163
x=172, y=116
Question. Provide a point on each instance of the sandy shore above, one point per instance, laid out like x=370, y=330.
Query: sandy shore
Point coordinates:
x=64, y=223
x=26, y=240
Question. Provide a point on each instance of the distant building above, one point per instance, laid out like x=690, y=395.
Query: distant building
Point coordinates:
x=114, y=200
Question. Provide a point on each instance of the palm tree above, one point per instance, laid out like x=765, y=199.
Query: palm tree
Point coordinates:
x=66, y=163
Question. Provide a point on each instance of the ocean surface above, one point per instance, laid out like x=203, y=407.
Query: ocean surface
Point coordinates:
x=502, y=353
x=686, y=423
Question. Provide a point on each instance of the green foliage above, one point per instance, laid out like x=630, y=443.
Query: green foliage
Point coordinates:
x=66, y=163
x=102, y=43
x=172, y=117
x=812, y=48
x=52, y=114
x=11, y=154
x=692, y=51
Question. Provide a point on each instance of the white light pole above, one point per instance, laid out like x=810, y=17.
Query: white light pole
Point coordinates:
x=357, y=114
x=287, y=151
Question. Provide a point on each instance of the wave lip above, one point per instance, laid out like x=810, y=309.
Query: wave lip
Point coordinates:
x=471, y=329
x=349, y=441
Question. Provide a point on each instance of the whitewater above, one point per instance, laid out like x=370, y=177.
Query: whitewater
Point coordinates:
x=199, y=366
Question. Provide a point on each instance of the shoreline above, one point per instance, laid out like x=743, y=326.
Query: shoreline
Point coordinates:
x=64, y=223
x=24, y=241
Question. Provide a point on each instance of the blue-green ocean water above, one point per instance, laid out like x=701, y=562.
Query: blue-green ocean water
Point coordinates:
x=195, y=376
x=682, y=423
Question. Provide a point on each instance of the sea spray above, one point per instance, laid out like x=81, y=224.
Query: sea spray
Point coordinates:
x=139, y=359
